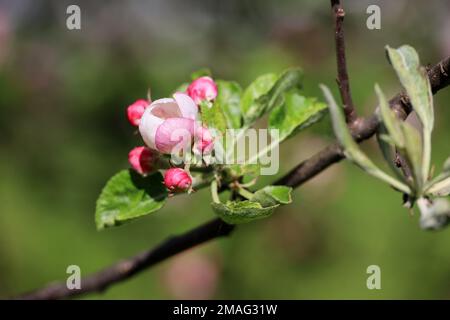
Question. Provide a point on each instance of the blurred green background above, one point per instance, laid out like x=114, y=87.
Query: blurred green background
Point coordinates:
x=63, y=133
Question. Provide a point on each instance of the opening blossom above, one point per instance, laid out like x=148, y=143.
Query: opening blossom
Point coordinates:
x=177, y=180
x=142, y=159
x=136, y=110
x=168, y=123
x=203, y=88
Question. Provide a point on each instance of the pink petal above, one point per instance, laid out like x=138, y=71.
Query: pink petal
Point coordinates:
x=172, y=132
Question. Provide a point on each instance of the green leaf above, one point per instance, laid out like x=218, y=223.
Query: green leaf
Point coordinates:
x=413, y=152
x=440, y=185
x=288, y=80
x=440, y=188
x=236, y=212
x=182, y=88
x=213, y=117
x=296, y=114
x=351, y=148
x=390, y=135
x=415, y=80
x=390, y=121
x=265, y=94
x=446, y=166
x=204, y=72
x=257, y=89
x=273, y=195
x=128, y=196
x=229, y=101
x=235, y=171
x=388, y=150
x=261, y=205
x=404, y=137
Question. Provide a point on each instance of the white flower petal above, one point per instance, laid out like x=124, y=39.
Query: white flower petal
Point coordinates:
x=148, y=126
x=165, y=108
x=187, y=106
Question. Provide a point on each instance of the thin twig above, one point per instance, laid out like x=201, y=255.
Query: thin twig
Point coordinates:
x=342, y=75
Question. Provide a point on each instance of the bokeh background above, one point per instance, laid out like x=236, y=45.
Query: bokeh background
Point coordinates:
x=63, y=133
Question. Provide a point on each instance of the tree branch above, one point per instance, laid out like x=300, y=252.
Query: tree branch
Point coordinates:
x=342, y=75
x=439, y=78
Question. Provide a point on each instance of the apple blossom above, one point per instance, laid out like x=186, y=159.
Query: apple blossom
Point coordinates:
x=136, y=110
x=177, y=180
x=168, y=122
x=203, y=88
x=142, y=159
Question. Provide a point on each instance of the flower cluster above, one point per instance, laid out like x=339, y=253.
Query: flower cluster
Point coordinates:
x=203, y=135
x=171, y=126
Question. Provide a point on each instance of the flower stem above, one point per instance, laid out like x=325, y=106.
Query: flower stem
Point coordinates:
x=245, y=193
x=214, y=191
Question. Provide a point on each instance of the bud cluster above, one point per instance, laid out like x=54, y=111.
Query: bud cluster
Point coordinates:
x=168, y=123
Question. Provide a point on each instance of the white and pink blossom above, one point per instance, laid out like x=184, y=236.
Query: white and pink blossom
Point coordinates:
x=169, y=122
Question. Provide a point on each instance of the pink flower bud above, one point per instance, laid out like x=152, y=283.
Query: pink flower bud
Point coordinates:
x=136, y=110
x=142, y=159
x=177, y=180
x=203, y=88
x=205, y=141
